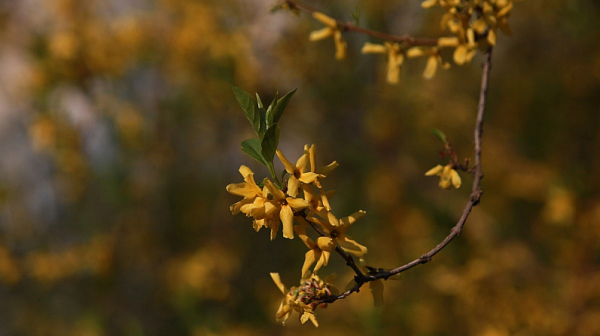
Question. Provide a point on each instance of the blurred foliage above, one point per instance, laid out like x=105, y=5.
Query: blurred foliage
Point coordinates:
x=119, y=133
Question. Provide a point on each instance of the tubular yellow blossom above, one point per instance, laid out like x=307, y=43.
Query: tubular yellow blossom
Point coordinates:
x=298, y=173
x=395, y=58
x=331, y=29
x=335, y=230
x=303, y=299
x=448, y=176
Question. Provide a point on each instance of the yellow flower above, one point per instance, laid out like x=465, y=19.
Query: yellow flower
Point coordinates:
x=315, y=253
x=298, y=173
x=247, y=189
x=303, y=299
x=335, y=230
x=284, y=207
x=395, y=58
x=323, y=171
x=331, y=29
x=318, y=203
x=448, y=176
x=433, y=61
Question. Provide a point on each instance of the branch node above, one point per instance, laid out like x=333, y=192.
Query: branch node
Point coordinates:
x=424, y=259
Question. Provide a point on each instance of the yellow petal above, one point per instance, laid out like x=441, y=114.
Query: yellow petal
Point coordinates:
x=297, y=203
x=393, y=67
x=289, y=167
x=235, y=208
x=351, y=246
x=309, y=177
x=456, y=181
x=312, y=154
x=332, y=219
x=340, y=45
x=415, y=52
x=504, y=11
x=480, y=25
x=243, y=189
x=448, y=42
x=372, y=48
x=309, y=259
x=274, y=228
x=347, y=221
x=491, y=38
x=293, y=185
x=326, y=244
x=287, y=218
x=437, y=170
x=328, y=169
x=431, y=67
x=376, y=288
x=460, y=54
x=270, y=208
x=276, y=192
x=277, y=280
x=326, y=20
x=471, y=38
x=428, y=3
x=321, y=34
x=302, y=163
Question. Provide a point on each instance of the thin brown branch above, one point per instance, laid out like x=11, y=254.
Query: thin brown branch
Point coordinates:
x=476, y=193
x=348, y=26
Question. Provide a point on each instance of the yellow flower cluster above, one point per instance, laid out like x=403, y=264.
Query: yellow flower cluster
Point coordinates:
x=302, y=198
x=303, y=299
x=474, y=24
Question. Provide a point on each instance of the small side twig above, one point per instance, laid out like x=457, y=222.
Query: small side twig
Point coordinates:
x=348, y=26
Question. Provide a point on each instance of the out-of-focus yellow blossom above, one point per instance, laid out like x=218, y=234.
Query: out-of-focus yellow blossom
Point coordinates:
x=443, y=3
x=298, y=173
x=323, y=171
x=331, y=29
x=395, y=58
x=285, y=207
x=433, y=61
x=335, y=230
x=448, y=176
x=470, y=22
x=303, y=299
x=315, y=253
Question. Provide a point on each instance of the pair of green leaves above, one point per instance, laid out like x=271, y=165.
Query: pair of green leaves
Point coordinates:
x=264, y=124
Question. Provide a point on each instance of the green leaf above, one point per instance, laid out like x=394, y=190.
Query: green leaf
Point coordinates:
x=439, y=134
x=269, y=143
x=279, y=107
x=249, y=106
x=252, y=147
x=261, y=115
x=269, y=114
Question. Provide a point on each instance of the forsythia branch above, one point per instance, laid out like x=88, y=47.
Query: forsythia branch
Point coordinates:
x=474, y=198
x=348, y=26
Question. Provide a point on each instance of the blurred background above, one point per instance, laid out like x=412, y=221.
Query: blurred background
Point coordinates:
x=119, y=133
